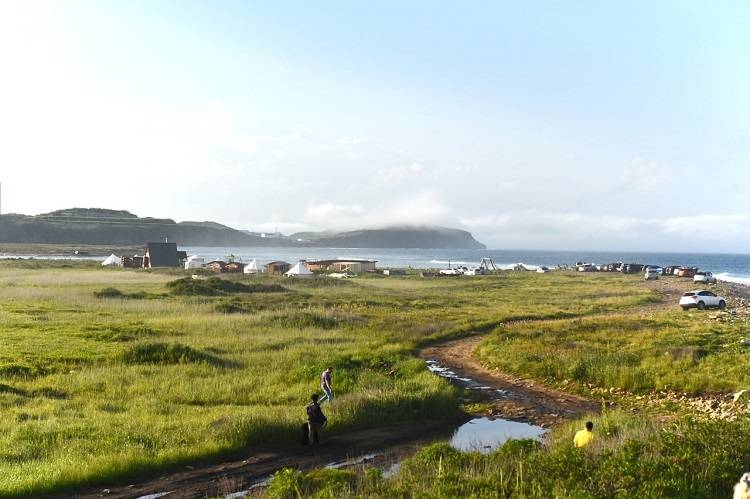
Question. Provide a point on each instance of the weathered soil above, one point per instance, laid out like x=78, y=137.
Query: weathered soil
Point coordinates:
x=523, y=399
x=391, y=443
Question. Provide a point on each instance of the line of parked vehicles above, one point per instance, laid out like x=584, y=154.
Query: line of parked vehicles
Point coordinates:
x=700, y=298
x=464, y=271
x=650, y=272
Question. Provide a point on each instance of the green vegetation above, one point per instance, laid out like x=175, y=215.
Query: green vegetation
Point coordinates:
x=637, y=352
x=660, y=450
x=632, y=457
x=92, y=389
x=216, y=286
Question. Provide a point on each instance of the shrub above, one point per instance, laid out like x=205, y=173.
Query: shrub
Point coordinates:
x=306, y=319
x=116, y=293
x=285, y=484
x=214, y=286
x=109, y=293
x=13, y=370
x=230, y=307
x=167, y=353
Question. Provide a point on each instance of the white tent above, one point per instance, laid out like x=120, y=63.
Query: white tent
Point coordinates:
x=252, y=268
x=195, y=262
x=112, y=261
x=299, y=270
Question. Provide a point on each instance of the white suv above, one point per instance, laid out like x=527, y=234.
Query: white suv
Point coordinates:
x=702, y=299
x=706, y=277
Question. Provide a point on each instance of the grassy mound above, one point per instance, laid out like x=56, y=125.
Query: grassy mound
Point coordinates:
x=167, y=353
x=214, y=286
x=302, y=320
x=116, y=293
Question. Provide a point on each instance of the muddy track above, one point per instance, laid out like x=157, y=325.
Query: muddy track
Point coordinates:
x=392, y=443
x=512, y=398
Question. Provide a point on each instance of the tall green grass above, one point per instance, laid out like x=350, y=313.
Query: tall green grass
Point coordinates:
x=99, y=389
x=638, y=352
x=631, y=456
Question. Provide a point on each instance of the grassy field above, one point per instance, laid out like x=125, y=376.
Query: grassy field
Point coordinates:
x=667, y=349
x=640, y=450
x=633, y=457
x=107, y=374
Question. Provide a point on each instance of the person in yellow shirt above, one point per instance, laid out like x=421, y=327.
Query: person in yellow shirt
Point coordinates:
x=584, y=437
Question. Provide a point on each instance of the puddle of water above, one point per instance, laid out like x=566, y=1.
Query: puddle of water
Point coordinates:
x=485, y=434
x=445, y=372
x=392, y=470
x=352, y=461
x=246, y=492
x=155, y=496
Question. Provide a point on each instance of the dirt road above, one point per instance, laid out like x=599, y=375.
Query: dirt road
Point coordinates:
x=511, y=398
x=378, y=446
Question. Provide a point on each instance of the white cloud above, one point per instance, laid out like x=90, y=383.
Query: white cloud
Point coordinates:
x=424, y=208
x=329, y=214
x=399, y=174
x=566, y=230
x=733, y=225
x=352, y=141
x=645, y=175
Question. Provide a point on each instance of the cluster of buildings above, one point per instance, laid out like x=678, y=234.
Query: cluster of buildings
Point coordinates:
x=167, y=255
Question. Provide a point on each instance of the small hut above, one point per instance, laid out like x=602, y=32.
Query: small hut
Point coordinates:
x=278, y=267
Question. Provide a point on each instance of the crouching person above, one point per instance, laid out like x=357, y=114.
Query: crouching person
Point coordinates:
x=316, y=420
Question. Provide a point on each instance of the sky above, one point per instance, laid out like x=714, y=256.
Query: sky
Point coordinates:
x=535, y=125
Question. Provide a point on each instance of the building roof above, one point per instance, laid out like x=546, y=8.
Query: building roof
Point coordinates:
x=162, y=254
x=341, y=260
x=278, y=262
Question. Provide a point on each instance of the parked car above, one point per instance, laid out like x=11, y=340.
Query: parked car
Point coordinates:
x=543, y=269
x=455, y=271
x=686, y=272
x=587, y=267
x=701, y=299
x=706, y=277
x=653, y=268
x=670, y=270
x=632, y=268
x=651, y=274
x=475, y=271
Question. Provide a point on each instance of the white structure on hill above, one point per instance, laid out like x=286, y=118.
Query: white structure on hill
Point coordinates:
x=299, y=270
x=252, y=268
x=112, y=261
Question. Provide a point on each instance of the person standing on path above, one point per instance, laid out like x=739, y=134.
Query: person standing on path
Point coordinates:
x=584, y=437
x=316, y=420
x=325, y=385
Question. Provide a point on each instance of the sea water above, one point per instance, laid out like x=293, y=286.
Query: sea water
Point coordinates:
x=727, y=267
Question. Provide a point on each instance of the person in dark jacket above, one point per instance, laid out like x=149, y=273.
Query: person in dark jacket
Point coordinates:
x=316, y=420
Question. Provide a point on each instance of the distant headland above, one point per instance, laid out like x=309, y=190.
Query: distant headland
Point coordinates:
x=98, y=226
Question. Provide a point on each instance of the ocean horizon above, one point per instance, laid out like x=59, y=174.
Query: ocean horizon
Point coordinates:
x=726, y=266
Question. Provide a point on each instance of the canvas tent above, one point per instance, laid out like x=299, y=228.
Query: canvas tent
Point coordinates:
x=299, y=270
x=112, y=261
x=195, y=262
x=252, y=268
